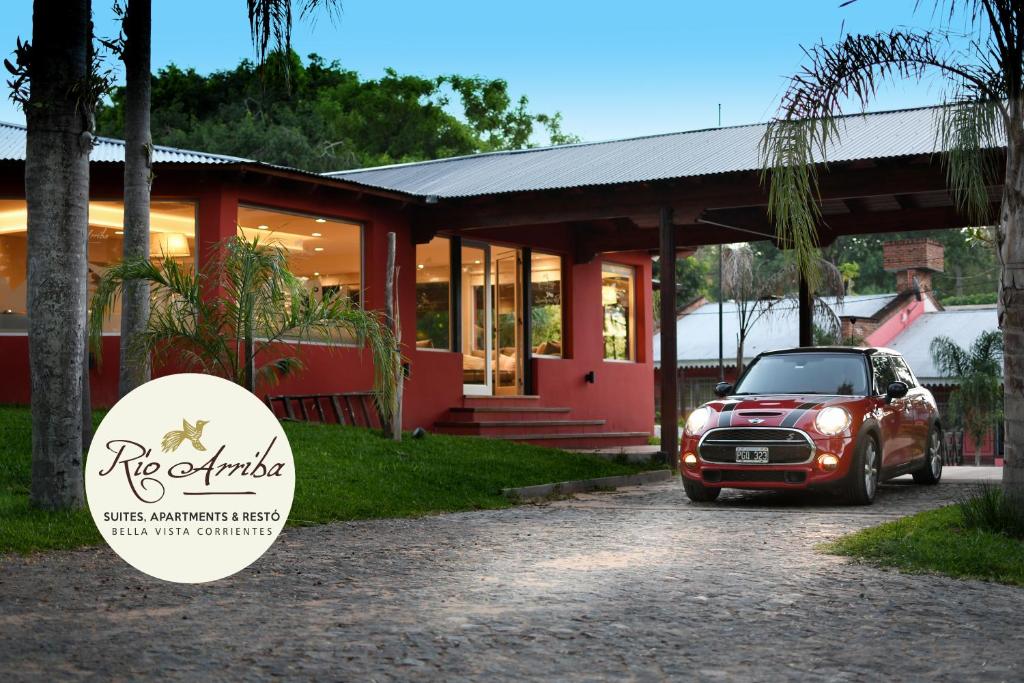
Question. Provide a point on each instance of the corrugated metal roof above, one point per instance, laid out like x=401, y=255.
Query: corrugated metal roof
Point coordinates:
x=697, y=331
x=12, y=148
x=677, y=155
x=961, y=324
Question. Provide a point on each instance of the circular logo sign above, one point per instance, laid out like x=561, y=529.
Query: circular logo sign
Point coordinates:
x=190, y=478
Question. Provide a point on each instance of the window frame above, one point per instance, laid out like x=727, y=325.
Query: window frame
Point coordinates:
x=359, y=342
x=561, y=303
x=631, y=323
x=451, y=311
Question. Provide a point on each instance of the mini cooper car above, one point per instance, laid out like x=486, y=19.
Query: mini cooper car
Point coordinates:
x=814, y=418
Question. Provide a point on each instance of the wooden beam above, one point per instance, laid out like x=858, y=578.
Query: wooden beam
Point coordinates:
x=669, y=351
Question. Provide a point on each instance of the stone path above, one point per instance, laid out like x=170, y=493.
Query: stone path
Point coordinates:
x=638, y=585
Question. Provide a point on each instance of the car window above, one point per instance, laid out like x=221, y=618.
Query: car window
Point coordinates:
x=903, y=372
x=884, y=373
x=806, y=373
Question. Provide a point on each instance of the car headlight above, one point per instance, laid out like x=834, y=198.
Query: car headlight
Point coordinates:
x=832, y=420
x=698, y=420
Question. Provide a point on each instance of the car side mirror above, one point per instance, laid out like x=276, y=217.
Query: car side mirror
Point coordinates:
x=723, y=389
x=896, y=390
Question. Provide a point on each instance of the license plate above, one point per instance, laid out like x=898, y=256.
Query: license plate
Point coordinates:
x=748, y=454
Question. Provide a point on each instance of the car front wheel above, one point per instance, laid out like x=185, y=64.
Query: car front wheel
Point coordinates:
x=931, y=471
x=699, y=493
x=862, y=481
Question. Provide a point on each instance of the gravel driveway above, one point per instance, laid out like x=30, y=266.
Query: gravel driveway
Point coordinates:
x=638, y=584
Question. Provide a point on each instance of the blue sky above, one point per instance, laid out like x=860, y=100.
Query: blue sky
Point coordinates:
x=613, y=69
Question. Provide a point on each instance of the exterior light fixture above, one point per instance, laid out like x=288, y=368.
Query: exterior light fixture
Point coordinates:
x=690, y=460
x=828, y=462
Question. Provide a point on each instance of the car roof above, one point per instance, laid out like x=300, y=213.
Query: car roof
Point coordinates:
x=861, y=350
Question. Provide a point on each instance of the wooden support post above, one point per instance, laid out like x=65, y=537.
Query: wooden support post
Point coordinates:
x=669, y=352
x=806, y=314
x=393, y=426
x=527, y=321
x=455, y=304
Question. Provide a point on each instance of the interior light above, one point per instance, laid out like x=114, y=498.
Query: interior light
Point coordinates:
x=477, y=261
x=420, y=266
x=320, y=220
x=316, y=234
x=316, y=274
x=318, y=248
x=261, y=227
x=119, y=232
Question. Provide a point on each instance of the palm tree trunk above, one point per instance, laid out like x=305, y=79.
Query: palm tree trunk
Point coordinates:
x=59, y=140
x=138, y=175
x=1011, y=307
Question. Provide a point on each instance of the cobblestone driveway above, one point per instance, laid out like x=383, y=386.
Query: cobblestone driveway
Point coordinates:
x=639, y=585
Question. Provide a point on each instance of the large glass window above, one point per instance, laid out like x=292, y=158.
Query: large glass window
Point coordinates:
x=325, y=253
x=433, y=295
x=172, y=235
x=546, y=304
x=618, y=295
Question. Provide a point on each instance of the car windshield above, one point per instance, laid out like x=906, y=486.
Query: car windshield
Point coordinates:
x=806, y=373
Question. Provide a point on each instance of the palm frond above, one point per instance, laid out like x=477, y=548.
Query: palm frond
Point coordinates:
x=968, y=131
x=949, y=358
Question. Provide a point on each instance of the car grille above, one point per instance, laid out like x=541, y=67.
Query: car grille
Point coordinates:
x=752, y=475
x=785, y=446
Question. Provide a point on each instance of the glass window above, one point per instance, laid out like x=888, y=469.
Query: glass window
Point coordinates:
x=884, y=373
x=617, y=300
x=172, y=235
x=433, y=295
x=903, y=372
x=843, y=374
x=325, y=253
x=546, y=304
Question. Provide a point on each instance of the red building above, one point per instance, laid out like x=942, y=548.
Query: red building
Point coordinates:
x=492, y=320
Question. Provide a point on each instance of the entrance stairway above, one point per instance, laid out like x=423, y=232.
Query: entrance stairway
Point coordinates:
x=522, y=418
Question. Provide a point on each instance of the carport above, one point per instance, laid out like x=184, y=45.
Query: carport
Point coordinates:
x=666, y=195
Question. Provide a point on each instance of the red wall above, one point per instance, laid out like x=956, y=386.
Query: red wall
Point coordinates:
x=622, y=394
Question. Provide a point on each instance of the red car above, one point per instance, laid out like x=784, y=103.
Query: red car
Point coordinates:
x=833, y=418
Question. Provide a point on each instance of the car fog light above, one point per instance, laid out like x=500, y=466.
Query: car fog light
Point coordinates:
x=690, y=460
x=828, y=462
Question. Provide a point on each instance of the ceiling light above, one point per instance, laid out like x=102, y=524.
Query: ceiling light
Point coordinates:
x=318, y=248
x=316, y=234
x=420, y=266
x=321, y=220
x=477, y=261
x=261, y=227
x=316, y=274
x=119, y=232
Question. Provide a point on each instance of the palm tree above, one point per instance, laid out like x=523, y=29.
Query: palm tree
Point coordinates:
x=54, y=81
x=271, y=24
x=976, y=403
x=984, y=74
x=242, y=317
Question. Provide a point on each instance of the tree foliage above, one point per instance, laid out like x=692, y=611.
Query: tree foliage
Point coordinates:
x=976, y=403
x=318, y=116
x=244, y=311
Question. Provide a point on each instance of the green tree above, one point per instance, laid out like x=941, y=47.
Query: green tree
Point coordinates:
x=976, y=403
x=984, y=75
x=242, y=317
x=319, y=116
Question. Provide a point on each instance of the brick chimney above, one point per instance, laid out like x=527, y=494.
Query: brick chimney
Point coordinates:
x=910, y=259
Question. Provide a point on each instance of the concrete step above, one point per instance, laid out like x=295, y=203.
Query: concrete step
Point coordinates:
x=498, y=428
x=580, y=439
x=511, y=401
x=487, y=413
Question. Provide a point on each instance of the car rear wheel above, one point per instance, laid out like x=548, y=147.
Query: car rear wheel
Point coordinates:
x=699, y=493
x=931, y=471
x=862, y=481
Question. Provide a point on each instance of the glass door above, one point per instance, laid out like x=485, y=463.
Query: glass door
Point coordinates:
x=508, y=322
x=477, y=320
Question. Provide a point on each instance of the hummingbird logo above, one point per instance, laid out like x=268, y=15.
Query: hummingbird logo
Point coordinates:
x=176, y=437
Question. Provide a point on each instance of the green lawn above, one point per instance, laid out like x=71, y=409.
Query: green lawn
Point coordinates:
x=937, y=540
x=341, y=473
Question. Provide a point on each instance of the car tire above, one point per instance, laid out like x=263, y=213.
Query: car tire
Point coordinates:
x=699, y=493
x=862, y=480
x=931, y=471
